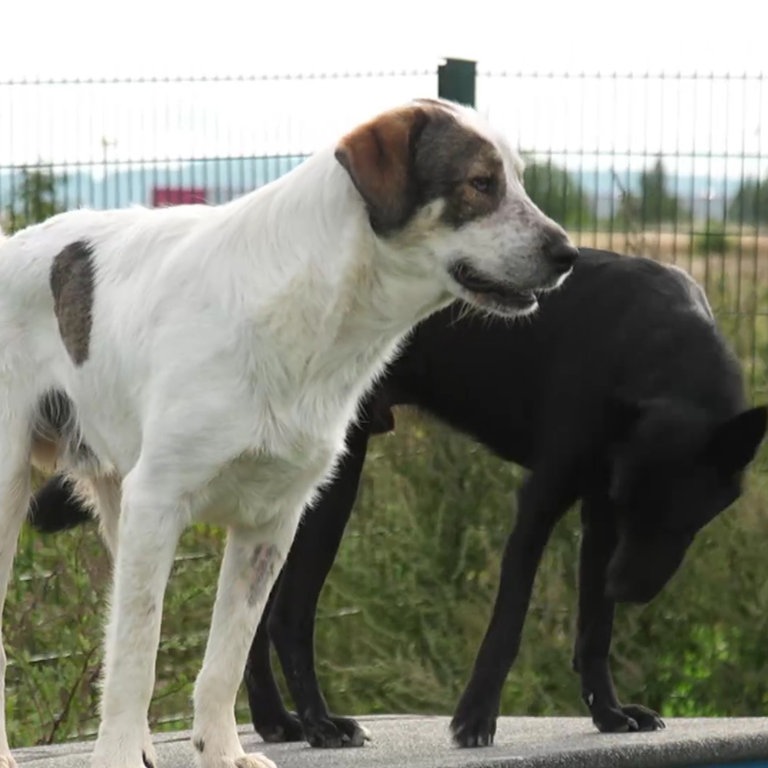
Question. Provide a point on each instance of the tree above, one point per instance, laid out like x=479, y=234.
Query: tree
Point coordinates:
x=655, y=204
x=36, y=197
x=559, y=195
x=750, y=203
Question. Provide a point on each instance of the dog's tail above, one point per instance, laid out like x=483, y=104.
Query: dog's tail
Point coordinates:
x=57, y=507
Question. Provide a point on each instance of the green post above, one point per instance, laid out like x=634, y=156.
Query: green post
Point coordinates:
x=456, y=81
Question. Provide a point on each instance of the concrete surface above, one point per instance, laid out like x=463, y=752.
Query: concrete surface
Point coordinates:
x=521, y=742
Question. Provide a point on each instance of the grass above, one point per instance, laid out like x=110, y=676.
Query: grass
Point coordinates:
x=409, y=597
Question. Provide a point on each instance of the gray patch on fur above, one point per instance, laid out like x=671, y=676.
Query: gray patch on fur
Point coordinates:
x=71, y=282
x=263, y=568
x=448, y=155
x=56, y=421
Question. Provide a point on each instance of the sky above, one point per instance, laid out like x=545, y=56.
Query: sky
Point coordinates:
x=160, y=38
x=107, y=37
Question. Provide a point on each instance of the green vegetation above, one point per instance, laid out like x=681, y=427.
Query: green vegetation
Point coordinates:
x=713, y=240
x=35, y=197
x=750, y=204
x=559, y=195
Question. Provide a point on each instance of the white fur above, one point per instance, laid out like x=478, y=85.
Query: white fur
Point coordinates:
x=229, y=348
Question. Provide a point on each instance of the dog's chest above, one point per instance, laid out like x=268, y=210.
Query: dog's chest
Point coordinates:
x=257, y=486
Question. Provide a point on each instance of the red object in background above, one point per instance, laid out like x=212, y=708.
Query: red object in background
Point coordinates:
x=164, y=196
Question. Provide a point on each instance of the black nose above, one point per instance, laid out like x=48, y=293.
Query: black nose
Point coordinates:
x=560, y=253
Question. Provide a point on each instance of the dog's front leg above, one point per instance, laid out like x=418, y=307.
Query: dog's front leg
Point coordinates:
x=542, y=501
x=291, y=620
x=251, y=564
x=149, y=530
x=595, y=625
x=271, y=720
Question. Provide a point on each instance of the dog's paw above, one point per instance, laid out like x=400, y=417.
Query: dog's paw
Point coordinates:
x=474, y=729
x=626, y=719
x=285, y=727
x=333, y=732
x=148, y=754
x=7, y=761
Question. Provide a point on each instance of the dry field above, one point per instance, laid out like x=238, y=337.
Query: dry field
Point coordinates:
x=746, y=258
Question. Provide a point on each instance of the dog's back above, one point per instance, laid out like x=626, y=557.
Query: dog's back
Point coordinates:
x=623, y=327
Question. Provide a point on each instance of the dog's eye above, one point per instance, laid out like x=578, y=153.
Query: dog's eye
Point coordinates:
x=483, y=184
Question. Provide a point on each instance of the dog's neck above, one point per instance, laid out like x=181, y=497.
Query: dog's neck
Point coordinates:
x=359, y=294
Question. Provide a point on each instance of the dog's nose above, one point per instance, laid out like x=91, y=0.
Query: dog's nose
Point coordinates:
x=560, y=252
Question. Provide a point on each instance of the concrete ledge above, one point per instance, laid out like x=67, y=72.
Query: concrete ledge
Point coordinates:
x=521, y=742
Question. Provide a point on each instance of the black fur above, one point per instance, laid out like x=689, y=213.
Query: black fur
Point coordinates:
x=621, y=393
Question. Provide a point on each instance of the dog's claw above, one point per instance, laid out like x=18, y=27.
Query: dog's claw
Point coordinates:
x=628, y=719
x=283, y=729
x=646, y=719
x=473, y=732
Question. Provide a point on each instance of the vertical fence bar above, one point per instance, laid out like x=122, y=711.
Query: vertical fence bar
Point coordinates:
x=456, y=80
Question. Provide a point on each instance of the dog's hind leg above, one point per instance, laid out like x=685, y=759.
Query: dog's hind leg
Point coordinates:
x=252, y=561
x=595, y=624
x=103, y=494
x=150, y=523
x=543, y=499
x=14, y=501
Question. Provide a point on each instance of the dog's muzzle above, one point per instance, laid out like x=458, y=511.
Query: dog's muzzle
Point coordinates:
x=639, y=570
x=499, y=293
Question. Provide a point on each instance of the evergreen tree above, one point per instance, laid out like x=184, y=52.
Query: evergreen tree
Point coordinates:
x=559, y=195
x=35, y=198
x=750, y=204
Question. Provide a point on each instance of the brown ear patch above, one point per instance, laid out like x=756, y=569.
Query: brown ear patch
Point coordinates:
x=379, y=159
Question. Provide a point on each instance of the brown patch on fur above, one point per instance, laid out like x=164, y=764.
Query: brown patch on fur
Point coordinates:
x=71, y=281
x=263, y=568
x=378, y=158
x=45, y=453
x=468, y=202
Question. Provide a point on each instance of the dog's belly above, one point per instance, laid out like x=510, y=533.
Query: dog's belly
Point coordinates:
x=257, y=487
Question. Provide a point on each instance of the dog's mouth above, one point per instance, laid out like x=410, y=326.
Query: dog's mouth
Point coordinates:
x=485, y=291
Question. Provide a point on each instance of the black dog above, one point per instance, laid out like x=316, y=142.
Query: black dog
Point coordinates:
x=620, y=392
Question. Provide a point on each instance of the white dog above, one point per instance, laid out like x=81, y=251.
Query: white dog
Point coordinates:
x=202, y=364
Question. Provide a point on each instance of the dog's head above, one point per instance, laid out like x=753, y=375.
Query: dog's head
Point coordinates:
x=442, y=186
x=674, y=472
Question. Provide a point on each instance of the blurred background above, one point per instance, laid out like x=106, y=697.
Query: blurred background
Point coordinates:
x=645, y=130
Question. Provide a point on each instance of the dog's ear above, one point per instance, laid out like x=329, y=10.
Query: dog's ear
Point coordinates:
x=379, y=156
x=733, y=443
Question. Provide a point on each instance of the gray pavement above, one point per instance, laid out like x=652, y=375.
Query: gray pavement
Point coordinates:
x=521, y=742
